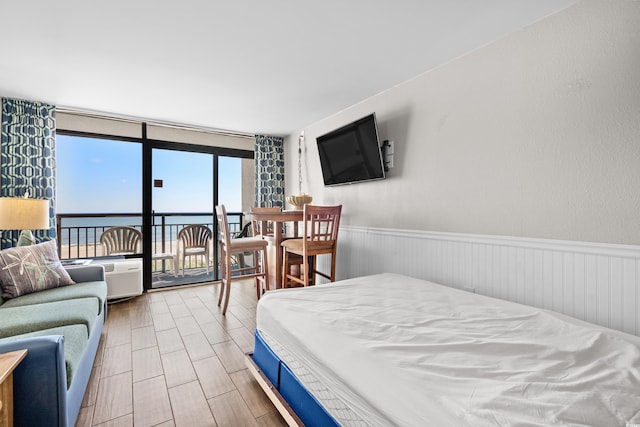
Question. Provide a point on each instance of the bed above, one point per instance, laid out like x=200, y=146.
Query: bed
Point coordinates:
x=388, y=349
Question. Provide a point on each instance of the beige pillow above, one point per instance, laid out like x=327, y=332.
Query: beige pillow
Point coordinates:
x=28, y=269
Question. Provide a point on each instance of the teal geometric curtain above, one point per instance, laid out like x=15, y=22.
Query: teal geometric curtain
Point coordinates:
x=269, y=158
x=27, y=158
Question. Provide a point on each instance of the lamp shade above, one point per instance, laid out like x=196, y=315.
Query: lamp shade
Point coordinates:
x=17, y=213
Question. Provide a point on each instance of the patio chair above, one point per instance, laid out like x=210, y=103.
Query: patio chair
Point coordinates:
x=121, y=241
x=195, y=241
x=126, y=240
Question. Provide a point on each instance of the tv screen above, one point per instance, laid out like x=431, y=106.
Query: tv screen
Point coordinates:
x=351, y=153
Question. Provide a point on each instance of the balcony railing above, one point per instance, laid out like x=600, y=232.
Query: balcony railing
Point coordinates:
x=79, y=234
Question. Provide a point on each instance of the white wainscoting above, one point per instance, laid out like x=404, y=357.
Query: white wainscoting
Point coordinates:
x=598, y=283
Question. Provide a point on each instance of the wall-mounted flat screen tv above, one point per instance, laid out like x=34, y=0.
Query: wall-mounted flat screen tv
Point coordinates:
x=351, y=153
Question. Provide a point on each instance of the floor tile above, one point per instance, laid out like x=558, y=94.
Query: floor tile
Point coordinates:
x=169, y=358
x=190, y=408
x=151, y=404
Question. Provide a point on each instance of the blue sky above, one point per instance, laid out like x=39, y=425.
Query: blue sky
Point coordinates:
x=105, y=176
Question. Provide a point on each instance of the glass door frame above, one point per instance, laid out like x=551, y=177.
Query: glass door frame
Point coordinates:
x=147, y=184
x=148, y=145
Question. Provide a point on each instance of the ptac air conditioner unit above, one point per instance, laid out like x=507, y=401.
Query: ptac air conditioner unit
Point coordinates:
x=124, y=278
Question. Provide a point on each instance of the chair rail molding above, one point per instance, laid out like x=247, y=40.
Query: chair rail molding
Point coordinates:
x=595, y=282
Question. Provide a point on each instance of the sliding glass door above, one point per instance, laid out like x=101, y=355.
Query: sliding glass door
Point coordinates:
x=182, y=217
x=166, y=191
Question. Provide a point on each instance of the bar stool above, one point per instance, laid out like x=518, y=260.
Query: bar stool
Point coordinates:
x=228, y=247
x=320, y=236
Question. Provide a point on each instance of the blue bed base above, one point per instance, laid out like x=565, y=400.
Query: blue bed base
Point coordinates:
x=300, y=400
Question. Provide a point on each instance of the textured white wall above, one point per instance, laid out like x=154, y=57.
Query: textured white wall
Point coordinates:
x=535, y=135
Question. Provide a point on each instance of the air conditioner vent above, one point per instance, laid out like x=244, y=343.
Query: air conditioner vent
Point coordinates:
x=124, y=278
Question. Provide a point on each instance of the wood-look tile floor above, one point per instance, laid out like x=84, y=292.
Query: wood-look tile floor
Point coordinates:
x=170, y=358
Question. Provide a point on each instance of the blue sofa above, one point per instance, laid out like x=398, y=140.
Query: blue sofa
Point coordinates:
x=61, y=330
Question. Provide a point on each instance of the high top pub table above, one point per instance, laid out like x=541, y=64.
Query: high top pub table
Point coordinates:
x=279, y=219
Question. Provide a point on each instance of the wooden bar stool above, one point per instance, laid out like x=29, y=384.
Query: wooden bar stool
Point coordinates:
x=320, y=236
x=228, y=247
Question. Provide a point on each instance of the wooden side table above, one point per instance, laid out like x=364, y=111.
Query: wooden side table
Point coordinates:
x=8, y=362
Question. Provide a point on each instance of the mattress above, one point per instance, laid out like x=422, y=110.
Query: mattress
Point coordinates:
x=392, y=350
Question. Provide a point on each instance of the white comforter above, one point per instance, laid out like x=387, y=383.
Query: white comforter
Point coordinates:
x=402, y=351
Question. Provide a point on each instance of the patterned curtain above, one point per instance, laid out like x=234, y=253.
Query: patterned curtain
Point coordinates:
x=269, y=156
x=27, y=158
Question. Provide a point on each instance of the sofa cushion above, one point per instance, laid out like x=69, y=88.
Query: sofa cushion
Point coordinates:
x=31, y=318
x=27, y=269
x=79, y=290
x=75, y=341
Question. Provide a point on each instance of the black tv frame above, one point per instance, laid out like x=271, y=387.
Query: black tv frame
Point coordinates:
x=335, y=134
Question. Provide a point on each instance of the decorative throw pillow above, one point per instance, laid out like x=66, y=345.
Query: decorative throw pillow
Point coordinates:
x=27, y=269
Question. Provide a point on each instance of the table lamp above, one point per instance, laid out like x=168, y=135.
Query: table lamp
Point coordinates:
x=22, y=213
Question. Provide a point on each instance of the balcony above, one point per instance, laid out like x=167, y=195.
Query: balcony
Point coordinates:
x=79, y=238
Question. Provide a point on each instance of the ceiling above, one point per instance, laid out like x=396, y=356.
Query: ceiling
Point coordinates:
x=248, y=66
